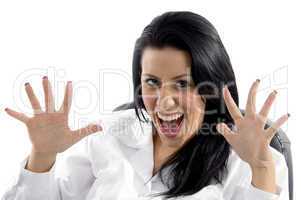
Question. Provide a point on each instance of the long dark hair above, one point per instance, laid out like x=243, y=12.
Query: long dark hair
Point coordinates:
x=203, y=159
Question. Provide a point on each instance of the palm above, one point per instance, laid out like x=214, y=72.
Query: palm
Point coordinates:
x=250, y=140
x=48, y=130
x=51, y=131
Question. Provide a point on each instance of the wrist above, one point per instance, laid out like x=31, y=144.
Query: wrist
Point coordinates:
x=264, y=178
x=43, y=155
x=262, y=165
x=40, y=162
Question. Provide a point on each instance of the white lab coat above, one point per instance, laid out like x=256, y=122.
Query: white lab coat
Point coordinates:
x=117, y=164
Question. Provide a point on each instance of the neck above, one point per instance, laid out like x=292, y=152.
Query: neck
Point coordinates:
x=161, y=147
x=161, y=152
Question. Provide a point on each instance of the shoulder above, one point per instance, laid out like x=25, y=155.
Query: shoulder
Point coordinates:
x=122, y=135
x=115, y=126
x=124, y=127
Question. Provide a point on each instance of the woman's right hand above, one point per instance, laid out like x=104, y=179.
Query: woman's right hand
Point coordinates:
x=48, y=130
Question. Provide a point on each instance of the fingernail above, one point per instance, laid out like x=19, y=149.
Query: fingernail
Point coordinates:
x=98, y=127
x=288, y=115
x=44, y=77
x=69, y=82
x=275, y=92
x=6, y=109
x=258, y=80
x=224, y=90
x=218, y=127
x=26, y=84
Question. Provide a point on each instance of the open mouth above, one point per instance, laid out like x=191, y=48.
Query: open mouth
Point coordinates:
x=170, y=128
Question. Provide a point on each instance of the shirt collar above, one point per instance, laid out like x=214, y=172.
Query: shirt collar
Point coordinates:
x=127, y=128
x=138, y=135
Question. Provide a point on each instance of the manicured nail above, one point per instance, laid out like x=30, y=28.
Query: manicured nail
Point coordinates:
x=275, y=92
x=258, y=80
x=6, y=109
x=44, y=77
x=288, y=115
x=225, y=88
x=26, y=84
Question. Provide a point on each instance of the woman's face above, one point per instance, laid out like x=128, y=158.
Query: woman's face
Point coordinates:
x=169, y=94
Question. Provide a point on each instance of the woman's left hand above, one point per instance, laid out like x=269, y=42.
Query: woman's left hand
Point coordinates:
x=250, y=140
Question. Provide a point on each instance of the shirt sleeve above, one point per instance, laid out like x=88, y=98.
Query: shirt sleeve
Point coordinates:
x=252, y=192
x=73, y=184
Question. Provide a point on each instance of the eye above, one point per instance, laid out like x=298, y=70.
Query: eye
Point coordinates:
x=152, y=82
x=182, y=84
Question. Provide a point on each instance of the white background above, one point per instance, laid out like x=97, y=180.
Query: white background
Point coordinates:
x=91, y=43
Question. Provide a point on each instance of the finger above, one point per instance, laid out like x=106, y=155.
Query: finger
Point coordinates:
x=251, y=102
x=17, y=115
x=33, y=99
x=85, y=131
x=267, y=106
x=49, y=102
x=228, y=134
x=65, y=107
x=271, y=131
x=231, y=105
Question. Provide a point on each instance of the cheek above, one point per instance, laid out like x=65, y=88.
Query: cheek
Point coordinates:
x=191, y=103
x=194, y=108
x=149, y=100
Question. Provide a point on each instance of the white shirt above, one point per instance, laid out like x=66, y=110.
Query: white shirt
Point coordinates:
x=117, y=164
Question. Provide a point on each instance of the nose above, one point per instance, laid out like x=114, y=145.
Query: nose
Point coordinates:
x=166, y=100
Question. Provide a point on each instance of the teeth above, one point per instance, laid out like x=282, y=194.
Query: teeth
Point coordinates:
x=169, y=118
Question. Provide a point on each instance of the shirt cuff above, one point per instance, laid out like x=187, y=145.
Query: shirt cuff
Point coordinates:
x=36, y=182
x=255, y=193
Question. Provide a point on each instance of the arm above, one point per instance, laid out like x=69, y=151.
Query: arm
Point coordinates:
x=251, y=140
x=50, y=134
x=240, y=185
x=262, y=179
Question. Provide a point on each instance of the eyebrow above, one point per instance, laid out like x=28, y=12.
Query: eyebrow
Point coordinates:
x=176, y=77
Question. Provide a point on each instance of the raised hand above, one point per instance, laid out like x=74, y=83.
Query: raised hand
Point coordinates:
x=250, y=140
x=48, y=130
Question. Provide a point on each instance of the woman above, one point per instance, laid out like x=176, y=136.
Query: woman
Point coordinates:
x=185, y=137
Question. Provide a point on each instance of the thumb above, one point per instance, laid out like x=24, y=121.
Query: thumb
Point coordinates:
x=223, y=129
x=85, y=131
